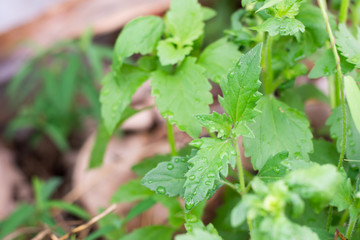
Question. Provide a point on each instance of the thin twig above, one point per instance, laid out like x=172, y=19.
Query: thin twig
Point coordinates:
x=41, y=235
x=22, y=231
x=89, y=223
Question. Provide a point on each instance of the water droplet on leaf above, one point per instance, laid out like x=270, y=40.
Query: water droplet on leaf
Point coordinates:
x=196, y=143
x=160, y=190
x=189, y=203
x=170, y=166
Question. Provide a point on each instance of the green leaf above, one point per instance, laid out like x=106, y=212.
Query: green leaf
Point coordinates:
x=183, y=94
x=168, y=177
x=198, y=234
x=326, y=66
x=131, y=191
x=215, y=122
x=342, y=199
x=211, y=160
x=116, y=95
x=184, y=21
x=138, y=36
x=319, y=184
x=218, y=58
x=275, y=26
x=353, y=99
x=311, y=17
x=296, y=97
x=147, y=164
x=282, y=228
x=348, y=45
x=273, y=169
x=240, y=89
x=352, y=144
x=68, y=207
x=103, y=137
x=287, y=8
x=139, y=208
x=268, y=4
x=151, y=233
x=169, y=53
x=208, y=13
x=22, y=213
x=324, y=152
x=274, y=131
x=176, y=212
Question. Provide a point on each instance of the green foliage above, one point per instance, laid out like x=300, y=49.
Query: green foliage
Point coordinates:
x=240, y=89
x=266, y=207
x=352, y=134
x=185, y=88
x=295, y=182
x=210, y=161
x=131, y=39
x=274, y=131
x=40, y=211
x=57, y=77
x=151, y=233
x=277, y=26
x=116, y=94
x=348, y=45
x=218, y=58
x=353, y=99
x=168, y=177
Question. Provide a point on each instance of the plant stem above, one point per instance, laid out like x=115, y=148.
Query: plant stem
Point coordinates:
x=329, y=218
x=343, y=11
x=339, y=86
x=239, y=165
x=351, y=227
x=171, y=138
x=269, y=71
x=249, y=222
x=229, y=184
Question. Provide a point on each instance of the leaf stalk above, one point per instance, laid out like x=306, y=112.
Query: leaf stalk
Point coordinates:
x=171, y=138
x=239, y=164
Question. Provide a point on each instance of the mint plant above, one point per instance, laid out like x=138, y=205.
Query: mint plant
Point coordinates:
x=302, y=186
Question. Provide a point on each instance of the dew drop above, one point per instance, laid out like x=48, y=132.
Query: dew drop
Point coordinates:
x=200, y=169
x=191, y=218
x=161, y=190
x=211, y=175
x=192, y=177
x=150, y=182
x=221, y=132
x=233, y=152
x=224, y=156
x=276, y=170
x=212, y=129
x=196, y=143
x=208, y=182
x=176, y=160
x=194, y=193
x=170, y=166
x=297, y=155
x=189, y=203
